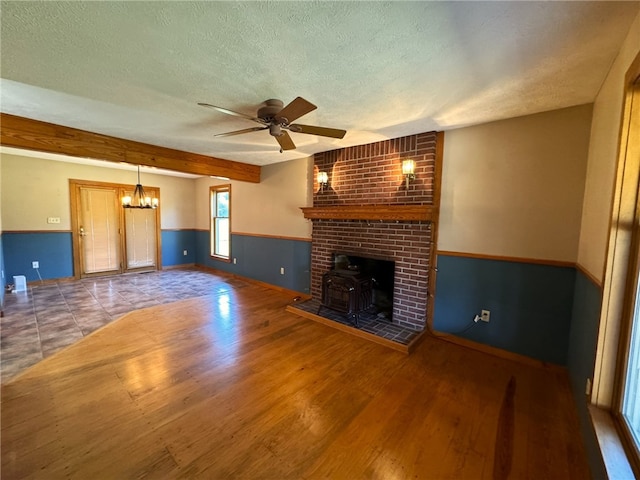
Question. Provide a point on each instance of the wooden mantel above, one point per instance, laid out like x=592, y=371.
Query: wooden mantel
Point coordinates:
x=370, y=212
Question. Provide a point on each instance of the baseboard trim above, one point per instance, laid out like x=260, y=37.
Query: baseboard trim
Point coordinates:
x=49, y=281
x=497, y=352
x=295, y=294
x=181, y=265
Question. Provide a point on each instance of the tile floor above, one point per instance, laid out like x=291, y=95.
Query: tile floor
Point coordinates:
x=366, y=322
x=46, y=318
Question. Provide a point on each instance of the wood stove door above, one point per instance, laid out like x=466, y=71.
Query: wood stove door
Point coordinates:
x=336, y=292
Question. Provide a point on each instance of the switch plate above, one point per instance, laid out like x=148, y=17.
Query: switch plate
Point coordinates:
x=235, y=260
x=184, y=252
x=35, y=264
x=281, y=270
x=53, y=219
x=485, y=315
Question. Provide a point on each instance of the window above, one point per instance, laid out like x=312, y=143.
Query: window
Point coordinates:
x=615, y=382
x=220, y=228
x=625, y=275
x=628, y=386
x=630, y=398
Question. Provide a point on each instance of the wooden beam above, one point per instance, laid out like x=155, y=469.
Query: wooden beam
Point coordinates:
x=30, y=134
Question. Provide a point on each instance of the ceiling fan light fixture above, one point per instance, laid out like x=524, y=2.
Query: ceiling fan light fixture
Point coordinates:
x=275, y=130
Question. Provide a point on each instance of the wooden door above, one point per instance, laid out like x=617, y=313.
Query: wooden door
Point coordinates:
x=99, y=230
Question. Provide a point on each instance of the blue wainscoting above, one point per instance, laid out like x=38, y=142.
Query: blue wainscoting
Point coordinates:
x=257, y=257
x=531, y=304
x=583, y=340
x=3, y=273
x=260, y=258
x=53, y=250
x=174, y=243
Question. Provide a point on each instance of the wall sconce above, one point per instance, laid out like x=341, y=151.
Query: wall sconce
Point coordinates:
x=323, y=179
x=408, y=169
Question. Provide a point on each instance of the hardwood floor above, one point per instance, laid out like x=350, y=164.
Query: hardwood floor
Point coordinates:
x=49, y=317
x=233, y=386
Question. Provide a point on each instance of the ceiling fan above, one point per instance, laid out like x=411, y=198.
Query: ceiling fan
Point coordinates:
x=277, y=118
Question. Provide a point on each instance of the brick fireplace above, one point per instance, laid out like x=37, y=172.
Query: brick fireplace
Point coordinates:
x=366, y=210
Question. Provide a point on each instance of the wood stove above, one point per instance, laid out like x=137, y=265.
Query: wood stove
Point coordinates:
x=347, y=291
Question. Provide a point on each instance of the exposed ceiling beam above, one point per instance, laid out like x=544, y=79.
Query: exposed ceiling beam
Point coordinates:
x=30, y=134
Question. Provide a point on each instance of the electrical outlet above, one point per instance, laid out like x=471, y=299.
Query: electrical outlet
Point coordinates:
x=235, y=260
x=281, y=270
x=35, y=264
x=184, y=252
x=485, y=315
x=588, y=388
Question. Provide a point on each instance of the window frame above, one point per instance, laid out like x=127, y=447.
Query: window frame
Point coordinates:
x=630, y=299
x=213, y=234
x=618, y=299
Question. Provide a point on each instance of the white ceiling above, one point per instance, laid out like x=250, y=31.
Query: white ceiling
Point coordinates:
x=137, y=70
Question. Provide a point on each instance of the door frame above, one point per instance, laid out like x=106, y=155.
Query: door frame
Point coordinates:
x=74, y=196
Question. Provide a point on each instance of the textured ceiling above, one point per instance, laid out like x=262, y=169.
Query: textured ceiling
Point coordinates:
x=137, y=70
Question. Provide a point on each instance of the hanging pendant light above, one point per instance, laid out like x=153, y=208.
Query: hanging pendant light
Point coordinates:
x=139, y=199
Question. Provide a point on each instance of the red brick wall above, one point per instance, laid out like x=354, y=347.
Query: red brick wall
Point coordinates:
x=372, y=174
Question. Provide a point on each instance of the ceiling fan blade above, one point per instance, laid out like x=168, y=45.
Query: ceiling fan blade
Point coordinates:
x=285, y=141
x=297, y=108
x=231, y=112
x=323, y=131
x=238, y=132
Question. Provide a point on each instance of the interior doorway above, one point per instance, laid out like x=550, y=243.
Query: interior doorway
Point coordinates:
x=109, y=239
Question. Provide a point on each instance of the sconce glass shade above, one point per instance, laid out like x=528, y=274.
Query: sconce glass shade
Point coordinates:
x=408, y=167
x=323, y=179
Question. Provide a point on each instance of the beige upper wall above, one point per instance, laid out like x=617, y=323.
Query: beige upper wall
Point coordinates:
x=34, y=189
x=515, y=187
x=603, y=156
x=271, y=207
x=1, y=196
x=509, y=187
